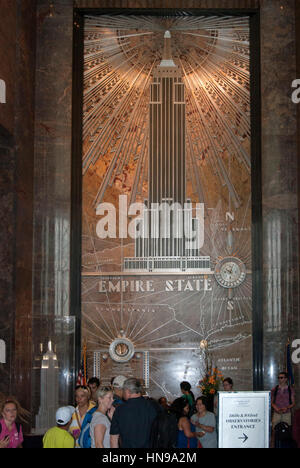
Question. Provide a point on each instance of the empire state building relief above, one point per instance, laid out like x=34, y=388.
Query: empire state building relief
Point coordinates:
x=166, y=167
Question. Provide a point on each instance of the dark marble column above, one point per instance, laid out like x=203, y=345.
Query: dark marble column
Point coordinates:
x=24, y=150
x=7, y=256
x=17, y=53
x=279, y=185
x=7, y=186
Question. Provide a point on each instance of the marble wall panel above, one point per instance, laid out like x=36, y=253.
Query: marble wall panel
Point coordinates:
x=52, y=177
x=279, y=185
x=8, y=62
x=53, y=156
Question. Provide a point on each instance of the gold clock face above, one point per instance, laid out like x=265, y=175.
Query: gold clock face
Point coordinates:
x=230, y=272
x=121, y=350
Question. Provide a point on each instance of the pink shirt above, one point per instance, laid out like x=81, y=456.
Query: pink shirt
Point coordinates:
x=15, y=438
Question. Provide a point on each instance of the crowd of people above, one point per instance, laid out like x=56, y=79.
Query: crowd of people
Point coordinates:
x=121, y=416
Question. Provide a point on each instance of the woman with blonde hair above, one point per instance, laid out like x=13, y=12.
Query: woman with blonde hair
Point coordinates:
x=101, y=421
x=11, y=433
x=83, y=405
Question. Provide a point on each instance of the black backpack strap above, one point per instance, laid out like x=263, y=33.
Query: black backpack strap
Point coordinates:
x=275, y=393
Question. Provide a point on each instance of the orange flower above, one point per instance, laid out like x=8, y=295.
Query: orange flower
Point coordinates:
x=212, y=391
x=212, y=381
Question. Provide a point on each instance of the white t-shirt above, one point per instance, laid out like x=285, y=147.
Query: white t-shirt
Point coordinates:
x=100, y=418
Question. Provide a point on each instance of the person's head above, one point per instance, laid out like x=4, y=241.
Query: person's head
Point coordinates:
x=22, y=414
x=9, y=411
x=63, y=417
x=180, y=407
x=228, y=384
x=201, y=405
x=105, y=398
x=163, y=402
x=283, y=378
x=185, y=387
x=93, y=383
x=132, y=388
x=82, y=395
x=117, y=385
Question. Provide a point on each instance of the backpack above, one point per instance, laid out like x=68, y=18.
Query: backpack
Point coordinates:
x=164, y=430
x=283, y=432
x=85, y=438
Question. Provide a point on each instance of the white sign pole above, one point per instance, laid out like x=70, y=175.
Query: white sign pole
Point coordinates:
x=244, y=419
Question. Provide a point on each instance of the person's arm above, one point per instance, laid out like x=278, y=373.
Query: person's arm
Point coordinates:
x=293, y=400
x=186, y=427
x=284, y=410
x=99, y=432
x=275, y=407
x=273, y=404
x=110, y=412
x=114, y=441
x=210, y=427
x=205, y=428
x=115, y=429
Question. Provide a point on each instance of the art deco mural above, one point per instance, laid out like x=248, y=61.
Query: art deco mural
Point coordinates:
x=166, y=243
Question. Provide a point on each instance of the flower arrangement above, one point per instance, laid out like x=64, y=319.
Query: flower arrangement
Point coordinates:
x=211, y=382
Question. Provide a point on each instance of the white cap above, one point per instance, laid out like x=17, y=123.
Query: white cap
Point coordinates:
x=64, y=415
x=118, y=381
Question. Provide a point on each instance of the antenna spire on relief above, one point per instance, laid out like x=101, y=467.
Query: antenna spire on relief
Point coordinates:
x=167, y=60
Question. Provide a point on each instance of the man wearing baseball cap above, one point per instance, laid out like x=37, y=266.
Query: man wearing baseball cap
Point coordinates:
x=117, y=386
x=132, y=422
x=58, y=436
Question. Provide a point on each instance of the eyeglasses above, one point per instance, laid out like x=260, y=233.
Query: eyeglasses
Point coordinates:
x=281, y=378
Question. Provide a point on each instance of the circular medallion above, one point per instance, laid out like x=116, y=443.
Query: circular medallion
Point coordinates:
x=121, y=350
x=230, y=272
